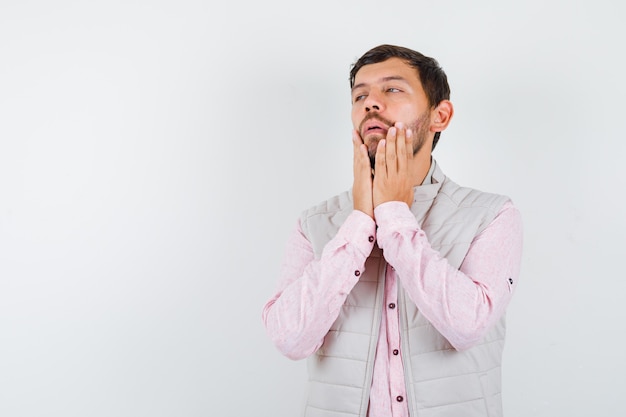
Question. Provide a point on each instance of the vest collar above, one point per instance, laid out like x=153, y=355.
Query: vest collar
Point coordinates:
x=423, y=195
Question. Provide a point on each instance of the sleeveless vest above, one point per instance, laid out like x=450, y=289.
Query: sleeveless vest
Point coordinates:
x=440, y=381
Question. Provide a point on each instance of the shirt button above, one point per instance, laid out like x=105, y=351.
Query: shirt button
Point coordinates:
x=357, y=272
x=399, y=398
x=392, y=305
x=396, y=351
x=371, y=238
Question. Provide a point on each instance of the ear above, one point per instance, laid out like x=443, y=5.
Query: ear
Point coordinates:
x=441, y=116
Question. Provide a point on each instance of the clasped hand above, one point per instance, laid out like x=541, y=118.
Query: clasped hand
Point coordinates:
x=392, y=179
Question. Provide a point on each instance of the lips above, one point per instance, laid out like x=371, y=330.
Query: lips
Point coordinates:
x=374, y=126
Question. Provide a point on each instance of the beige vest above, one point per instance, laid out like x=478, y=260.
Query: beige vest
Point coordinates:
x=440, y=381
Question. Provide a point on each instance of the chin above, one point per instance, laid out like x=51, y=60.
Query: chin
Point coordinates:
x=372, y=144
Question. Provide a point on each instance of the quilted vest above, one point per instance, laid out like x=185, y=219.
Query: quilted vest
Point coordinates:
x=440, y=381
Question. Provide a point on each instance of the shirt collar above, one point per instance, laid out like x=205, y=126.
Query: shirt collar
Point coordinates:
x=429, y=177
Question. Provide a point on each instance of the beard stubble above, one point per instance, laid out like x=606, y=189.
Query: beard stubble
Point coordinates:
x=418, y=126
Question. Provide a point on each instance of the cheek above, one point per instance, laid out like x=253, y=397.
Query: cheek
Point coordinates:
x=411, y=117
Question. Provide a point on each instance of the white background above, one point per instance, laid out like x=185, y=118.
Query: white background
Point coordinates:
x=154, y=156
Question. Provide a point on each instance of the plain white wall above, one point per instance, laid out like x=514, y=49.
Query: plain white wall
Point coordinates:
x=154, y=156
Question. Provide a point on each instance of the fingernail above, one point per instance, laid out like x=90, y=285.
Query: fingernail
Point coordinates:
x=392, y=130
x=409, y=132
x=399, y=125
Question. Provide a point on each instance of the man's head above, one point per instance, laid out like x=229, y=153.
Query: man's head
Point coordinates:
x=396, y=84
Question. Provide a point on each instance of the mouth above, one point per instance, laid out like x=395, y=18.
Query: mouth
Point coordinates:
x=374, y=127
x=374, y=124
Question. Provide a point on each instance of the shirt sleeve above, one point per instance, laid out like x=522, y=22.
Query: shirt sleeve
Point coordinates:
x=311, y=291
x=462, y=304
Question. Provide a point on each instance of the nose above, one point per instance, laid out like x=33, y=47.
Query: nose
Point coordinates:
x=373, y=102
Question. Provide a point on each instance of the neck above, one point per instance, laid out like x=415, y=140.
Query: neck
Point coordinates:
x=420, y=167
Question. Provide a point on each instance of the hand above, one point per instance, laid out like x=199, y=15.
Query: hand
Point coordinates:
x=394, y=156
x=362, y=186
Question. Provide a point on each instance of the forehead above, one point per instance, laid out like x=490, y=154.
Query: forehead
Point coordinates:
x=391, y=68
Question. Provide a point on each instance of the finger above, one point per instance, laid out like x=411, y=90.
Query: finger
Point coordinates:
x=381, y=163
x=401, y=147
x=356, y=140
x=391, y=152
x=409, y=143
x=362, y=185
x=358, y=145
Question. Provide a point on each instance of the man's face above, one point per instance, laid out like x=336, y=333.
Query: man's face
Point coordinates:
x=386, y=93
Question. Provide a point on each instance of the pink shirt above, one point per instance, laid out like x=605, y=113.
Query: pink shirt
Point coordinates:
x=461, y=303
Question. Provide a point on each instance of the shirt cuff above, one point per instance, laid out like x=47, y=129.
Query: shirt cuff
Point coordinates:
x=394, y=216
x=359, y=230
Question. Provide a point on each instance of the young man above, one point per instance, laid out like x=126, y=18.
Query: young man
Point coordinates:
x=396, y=290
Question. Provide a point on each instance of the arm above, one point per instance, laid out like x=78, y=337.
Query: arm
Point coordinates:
x=462, y=304
x=311, y=291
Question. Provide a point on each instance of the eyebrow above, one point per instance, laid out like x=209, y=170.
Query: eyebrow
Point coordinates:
x=383, y=80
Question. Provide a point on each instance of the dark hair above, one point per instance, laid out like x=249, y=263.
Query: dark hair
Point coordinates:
x=432, y=77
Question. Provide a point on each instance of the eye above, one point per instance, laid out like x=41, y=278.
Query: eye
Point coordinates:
x=393, y=90
x=359, y=97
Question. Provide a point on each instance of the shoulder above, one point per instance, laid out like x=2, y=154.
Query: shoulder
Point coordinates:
x=465, y=197
x=321, y=222
x=453, y=194
x=337, y=203
x=459, y=204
